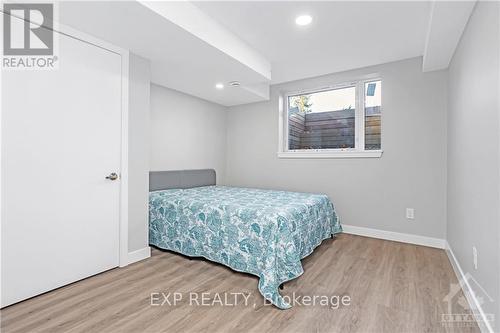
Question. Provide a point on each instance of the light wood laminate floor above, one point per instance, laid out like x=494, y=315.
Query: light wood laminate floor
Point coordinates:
x=393, y=287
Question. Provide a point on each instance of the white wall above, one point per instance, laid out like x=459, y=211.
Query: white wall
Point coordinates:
x=186, y=132
x=138, y=166
x=370, y=193
x=474, y=151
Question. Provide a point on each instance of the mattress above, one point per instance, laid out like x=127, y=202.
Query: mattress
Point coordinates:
x=262, y=232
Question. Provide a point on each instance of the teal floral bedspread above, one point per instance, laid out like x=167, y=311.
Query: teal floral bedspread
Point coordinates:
x=261, y=232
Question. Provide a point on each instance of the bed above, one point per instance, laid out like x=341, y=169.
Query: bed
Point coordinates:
x=262, y=232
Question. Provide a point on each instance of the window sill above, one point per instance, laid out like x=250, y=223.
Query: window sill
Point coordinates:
x=331, y=154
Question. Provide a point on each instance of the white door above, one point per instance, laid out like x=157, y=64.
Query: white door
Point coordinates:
x=60, y=139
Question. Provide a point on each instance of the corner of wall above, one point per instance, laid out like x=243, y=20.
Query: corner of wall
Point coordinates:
x=138, y=157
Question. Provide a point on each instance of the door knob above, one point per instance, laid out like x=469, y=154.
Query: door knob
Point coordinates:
x=112, y=176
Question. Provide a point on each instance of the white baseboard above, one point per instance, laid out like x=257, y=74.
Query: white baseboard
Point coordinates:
x=138, y=255
x=394, y=236
x=468, y=292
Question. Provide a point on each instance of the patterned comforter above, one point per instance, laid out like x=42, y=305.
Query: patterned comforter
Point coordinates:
x=261, y=232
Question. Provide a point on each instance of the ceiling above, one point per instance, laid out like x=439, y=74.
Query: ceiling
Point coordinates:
x=342, y=36
x=179, y=59
x=194, y=45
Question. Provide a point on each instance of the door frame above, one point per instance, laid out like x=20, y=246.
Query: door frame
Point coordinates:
x=124, y=158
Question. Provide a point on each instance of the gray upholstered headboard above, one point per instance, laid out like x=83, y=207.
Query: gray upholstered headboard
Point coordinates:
x=164, y=180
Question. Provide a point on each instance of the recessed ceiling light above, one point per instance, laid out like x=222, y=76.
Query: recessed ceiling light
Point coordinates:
x=219, y=86
x=303, y=19
x=234, y=83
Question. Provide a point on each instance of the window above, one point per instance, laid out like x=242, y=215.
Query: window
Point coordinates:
x=341, y=121
x=373, y=104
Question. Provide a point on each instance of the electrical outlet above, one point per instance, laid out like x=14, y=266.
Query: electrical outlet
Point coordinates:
x=410, y=213
x=474, y=256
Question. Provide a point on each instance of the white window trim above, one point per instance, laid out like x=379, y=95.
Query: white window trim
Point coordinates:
x=357, y=152
x=331, y=153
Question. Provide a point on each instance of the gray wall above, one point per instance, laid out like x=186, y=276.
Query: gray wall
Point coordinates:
x=138, y=166
x=186, y=132
x=473, y=151
x=371, y=193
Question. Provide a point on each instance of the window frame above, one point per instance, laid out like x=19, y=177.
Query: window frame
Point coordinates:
x=359, y=124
